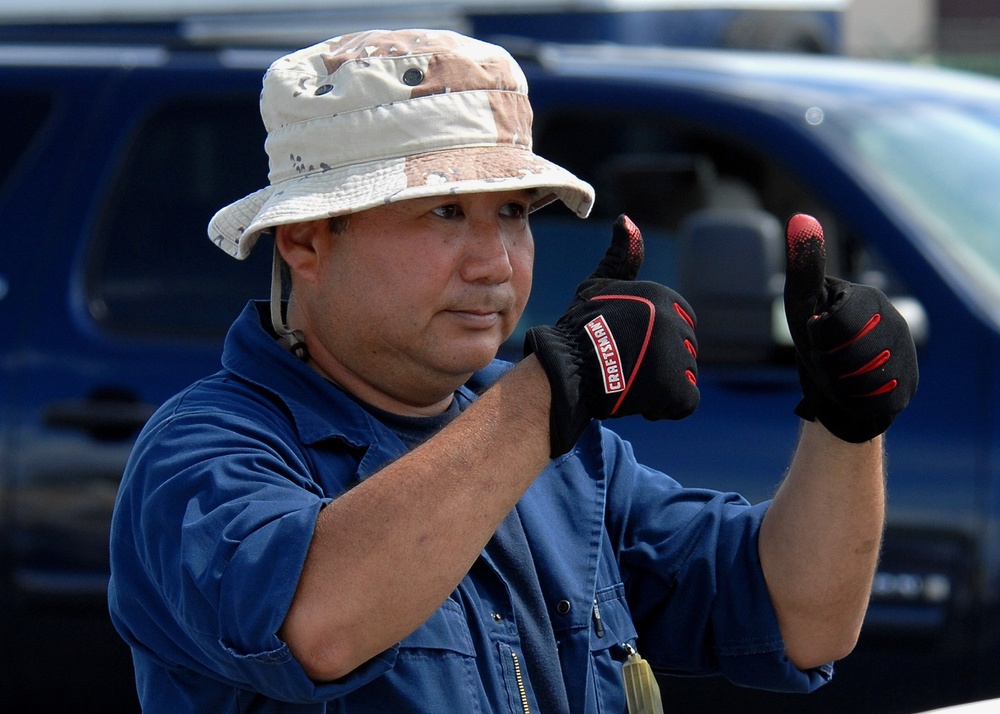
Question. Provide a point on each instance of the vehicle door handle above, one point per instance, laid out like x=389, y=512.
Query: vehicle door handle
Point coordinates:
x=102, y=418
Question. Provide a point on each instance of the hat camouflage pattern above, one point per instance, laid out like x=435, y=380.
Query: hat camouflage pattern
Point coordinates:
x=381, y=116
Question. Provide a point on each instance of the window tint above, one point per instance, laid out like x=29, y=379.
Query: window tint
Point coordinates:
x=660, y=172
x=153, y=271
x=657, y=172
x=19, y=127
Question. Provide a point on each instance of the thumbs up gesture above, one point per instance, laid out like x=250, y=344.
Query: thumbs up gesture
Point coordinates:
x=856, y=358
x=623, y=347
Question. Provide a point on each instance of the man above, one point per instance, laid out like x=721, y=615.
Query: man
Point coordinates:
x=363, y=511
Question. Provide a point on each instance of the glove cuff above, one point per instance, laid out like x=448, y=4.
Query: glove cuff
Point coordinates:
x=567, y=417
x=846, y=427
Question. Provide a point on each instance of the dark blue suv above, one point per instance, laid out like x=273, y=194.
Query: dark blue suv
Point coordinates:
x=116, y=154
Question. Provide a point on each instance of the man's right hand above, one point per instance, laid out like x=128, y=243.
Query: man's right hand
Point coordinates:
x=623, y=347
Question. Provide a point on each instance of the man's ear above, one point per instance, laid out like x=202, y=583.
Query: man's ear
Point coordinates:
x=297, y=243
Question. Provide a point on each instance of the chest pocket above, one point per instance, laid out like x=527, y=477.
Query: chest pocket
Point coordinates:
x=613, y=626
x=446, y=631
x=435, y=671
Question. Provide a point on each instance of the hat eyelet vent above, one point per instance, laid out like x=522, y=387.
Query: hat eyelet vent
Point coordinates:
x=413, y=76
x=323, y=89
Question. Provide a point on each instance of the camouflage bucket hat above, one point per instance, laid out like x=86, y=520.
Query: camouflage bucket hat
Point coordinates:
x=382, y=116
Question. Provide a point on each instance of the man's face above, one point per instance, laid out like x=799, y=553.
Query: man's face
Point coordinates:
x=417, y=295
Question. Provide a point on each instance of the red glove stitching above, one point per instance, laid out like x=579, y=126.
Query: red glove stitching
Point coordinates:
x=884, y=389
x=880, y=360
x=645, y=341
x=683, y=313
x=869, y=326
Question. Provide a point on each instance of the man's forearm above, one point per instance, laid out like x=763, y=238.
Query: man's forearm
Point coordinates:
x=819, y=544
x=386, y=554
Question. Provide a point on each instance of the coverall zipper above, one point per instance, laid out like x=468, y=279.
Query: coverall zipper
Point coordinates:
x=598, y=621
x=520, y=683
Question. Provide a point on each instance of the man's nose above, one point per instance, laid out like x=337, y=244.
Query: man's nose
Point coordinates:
x=487, y=255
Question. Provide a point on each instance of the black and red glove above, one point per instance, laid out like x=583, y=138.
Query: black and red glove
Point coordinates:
x=623, y=347
x=856, y=358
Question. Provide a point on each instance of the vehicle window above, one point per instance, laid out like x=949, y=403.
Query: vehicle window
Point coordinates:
x=153, y=272
x=943, y=163
x=660, y=173
x=18, y=128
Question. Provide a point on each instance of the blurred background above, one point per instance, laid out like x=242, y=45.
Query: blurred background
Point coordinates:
x=127, y=123
x=965, y=32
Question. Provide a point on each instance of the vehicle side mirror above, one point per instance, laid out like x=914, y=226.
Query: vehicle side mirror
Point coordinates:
x=731, y=270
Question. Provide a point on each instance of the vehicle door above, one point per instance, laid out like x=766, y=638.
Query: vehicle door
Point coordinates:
x=116, y=299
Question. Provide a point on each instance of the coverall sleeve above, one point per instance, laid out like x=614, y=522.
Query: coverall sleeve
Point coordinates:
x=214, y=519
x=693, y=578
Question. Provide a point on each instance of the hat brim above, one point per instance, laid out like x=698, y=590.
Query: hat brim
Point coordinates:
x=328, y=192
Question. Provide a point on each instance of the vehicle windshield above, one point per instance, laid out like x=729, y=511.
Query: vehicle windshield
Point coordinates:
x=943, y=164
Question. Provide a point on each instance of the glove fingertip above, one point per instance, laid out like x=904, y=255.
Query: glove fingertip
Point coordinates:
x=635, y=251
x=805, y=253
x=805, y=271
x=624, y=256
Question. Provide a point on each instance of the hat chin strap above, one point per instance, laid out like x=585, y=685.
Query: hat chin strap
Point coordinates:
x=294, y=340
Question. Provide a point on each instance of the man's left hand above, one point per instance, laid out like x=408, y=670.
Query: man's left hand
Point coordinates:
x=857, y=361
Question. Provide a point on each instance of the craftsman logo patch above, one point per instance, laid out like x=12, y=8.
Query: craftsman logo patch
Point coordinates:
x=607, y=354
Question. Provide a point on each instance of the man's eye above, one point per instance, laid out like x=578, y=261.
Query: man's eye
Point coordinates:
x=449, y=211
x=514, y=210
